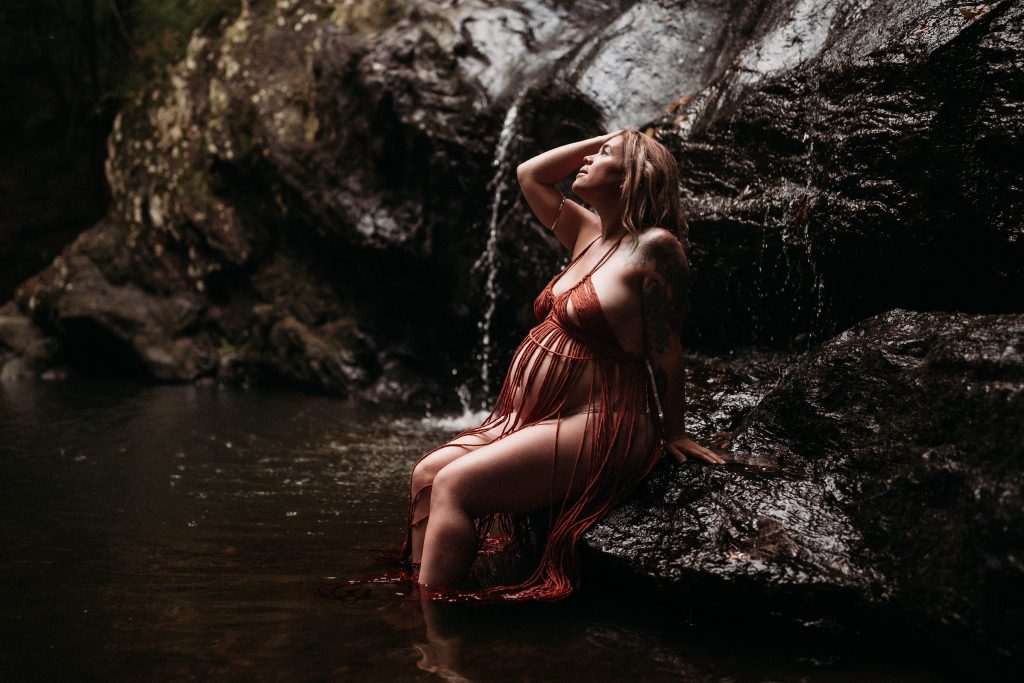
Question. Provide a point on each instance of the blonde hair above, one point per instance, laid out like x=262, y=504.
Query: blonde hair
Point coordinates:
x=650, y=186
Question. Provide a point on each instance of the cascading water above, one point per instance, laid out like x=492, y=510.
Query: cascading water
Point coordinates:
x=488, y=260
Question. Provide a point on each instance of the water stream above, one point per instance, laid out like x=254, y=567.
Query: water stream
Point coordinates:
x=488, y=260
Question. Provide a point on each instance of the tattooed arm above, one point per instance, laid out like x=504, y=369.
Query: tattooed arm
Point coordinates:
x=666, y=281
x=665, y=276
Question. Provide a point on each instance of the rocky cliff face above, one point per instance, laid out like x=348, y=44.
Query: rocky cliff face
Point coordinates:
x=858, y=158
x=310, y=174
x=883, y=470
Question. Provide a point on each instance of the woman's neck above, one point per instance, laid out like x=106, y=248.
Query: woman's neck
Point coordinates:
x=612, y=227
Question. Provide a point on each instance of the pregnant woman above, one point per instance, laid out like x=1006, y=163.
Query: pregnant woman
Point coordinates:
x=576, y=425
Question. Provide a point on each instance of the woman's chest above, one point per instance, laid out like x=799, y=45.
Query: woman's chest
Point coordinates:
x=606, y=304
x=617, y=297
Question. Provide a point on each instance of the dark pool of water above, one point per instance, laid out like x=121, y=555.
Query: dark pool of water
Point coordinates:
x=179, y=532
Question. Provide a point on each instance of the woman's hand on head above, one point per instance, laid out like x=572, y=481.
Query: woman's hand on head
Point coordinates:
x=682, y=447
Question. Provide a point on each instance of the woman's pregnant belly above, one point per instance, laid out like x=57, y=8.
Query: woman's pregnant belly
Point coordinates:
x=549, y=363
x=548, y=377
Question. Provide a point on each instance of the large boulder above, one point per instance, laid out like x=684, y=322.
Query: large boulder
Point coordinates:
x=268, y=214
x=341, y=163
x=853, y=158
x=882, y=473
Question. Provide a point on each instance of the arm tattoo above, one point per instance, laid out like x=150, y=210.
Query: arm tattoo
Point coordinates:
x=665, y=284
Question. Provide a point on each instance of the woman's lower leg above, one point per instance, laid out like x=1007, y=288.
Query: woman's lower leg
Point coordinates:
x=449, y=544
x=418, y=521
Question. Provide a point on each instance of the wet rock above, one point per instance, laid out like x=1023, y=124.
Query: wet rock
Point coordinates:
x=74, y=299
x=16, y=330
x=318, y=161
x=15, y=369
x=25, y=352
x=315, y=358
x=408, y=378
x=836, y=167
x=651, y=56
x=833, y=154
x=250, y=192
x=883, y=471
x=231, y=368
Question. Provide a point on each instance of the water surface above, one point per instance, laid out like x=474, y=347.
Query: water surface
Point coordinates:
x=175, y=532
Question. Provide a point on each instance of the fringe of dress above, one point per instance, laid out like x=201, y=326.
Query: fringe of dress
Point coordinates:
x=621, y=395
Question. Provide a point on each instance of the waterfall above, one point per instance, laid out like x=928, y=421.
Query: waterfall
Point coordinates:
x=488, y=261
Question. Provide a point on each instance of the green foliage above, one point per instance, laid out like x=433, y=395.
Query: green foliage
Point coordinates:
x=157, y=33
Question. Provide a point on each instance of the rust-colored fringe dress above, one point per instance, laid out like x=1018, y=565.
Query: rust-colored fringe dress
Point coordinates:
x=621, y=399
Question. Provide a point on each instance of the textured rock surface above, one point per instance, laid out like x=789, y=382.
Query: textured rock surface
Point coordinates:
x=884, y=469
x=330, y=166
x=256, y=196
x=857, y=157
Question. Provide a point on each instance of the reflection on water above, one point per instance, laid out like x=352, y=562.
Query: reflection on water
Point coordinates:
x=172, y=532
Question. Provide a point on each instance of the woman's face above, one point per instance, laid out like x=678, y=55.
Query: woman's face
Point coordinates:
x=602, y=173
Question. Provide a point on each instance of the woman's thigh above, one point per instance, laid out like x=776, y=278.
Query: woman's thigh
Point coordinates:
x=522, y=472
x=431, y=463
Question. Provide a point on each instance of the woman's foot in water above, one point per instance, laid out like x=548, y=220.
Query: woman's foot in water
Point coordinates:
x=439, y=658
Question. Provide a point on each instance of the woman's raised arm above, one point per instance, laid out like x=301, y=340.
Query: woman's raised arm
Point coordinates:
x=538, y=177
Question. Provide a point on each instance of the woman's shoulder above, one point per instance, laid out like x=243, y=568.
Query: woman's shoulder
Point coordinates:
x=658, y=236
x=654, y=252
x=659, y=248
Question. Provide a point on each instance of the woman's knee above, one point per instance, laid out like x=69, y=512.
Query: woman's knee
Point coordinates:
x=446, y=485
x=426, y=469
x=423, y=474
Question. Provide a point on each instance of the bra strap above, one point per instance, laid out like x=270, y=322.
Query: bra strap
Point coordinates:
x=600, y=262
x=573, y=262
x=579, y=255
